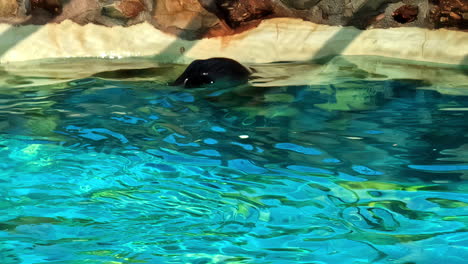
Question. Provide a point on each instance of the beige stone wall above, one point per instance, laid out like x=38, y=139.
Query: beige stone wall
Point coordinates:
x=281, y=39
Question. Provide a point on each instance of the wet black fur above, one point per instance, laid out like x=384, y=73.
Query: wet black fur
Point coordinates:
x=201, y=73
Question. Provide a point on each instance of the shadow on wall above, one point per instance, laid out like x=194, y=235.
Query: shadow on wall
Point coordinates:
x=342, y=39
x=16, y=33
x=332, y=48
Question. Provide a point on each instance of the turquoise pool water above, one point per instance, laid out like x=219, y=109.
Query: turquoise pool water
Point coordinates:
x=120, y=168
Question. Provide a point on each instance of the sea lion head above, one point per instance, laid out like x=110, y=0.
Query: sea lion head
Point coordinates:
x=201, y=73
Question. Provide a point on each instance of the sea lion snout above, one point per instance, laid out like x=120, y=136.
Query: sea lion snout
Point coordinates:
x=202, y=73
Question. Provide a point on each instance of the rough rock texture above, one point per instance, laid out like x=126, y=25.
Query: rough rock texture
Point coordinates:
x=54, y=7
x=450, y=13
x=207, y=18
x=364, y=14
x=124, y=9
x=405, y=14
x=8, y=8
x=185, y=18
x=235, y=13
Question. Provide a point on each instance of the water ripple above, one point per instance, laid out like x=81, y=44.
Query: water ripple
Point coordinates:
x=109, y=171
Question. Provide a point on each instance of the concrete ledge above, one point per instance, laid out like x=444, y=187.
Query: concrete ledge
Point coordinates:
x=281, y=39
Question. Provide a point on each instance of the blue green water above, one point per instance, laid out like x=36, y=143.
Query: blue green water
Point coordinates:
x=111, y=170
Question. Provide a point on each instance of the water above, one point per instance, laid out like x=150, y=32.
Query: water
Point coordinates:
x=117, y=167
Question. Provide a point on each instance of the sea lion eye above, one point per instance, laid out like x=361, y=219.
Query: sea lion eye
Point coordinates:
x=205, y=74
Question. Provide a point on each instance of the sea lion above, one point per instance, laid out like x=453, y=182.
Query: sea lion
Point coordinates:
x=202, y=73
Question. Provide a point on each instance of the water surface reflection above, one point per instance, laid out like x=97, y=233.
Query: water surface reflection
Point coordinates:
x=117, y=170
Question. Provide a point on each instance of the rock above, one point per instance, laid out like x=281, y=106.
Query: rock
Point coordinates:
x=180, y=14
x=39, y=12
x=81, y=12
x=316, y=15
x=300, y=4
x=238, y=12
x=450, y=14
x=8, y=8
x=455, y=16
x=234, y=16
x=380, y=17
x=194, y=6
x=209, y=21
x=124, y=9
x=188, y=20
x=360, y=14
x=358, y=4
x=348, y=12
x=173, y=6
x=53, y=7
x=113, y=11
x=131, y=8
x=406, y=14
